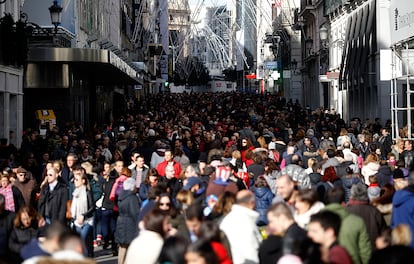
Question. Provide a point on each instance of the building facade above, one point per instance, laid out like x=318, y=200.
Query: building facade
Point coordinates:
x=11, y=73
x=83, y=71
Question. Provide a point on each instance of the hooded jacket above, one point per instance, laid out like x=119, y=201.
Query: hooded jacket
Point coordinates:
x=264, y=197
x=371, y=168
x=353, y=234
x=403, y=208
x=127, y=223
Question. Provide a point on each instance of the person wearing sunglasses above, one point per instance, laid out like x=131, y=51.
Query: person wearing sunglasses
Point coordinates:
x=82, y=210
x=53, y=195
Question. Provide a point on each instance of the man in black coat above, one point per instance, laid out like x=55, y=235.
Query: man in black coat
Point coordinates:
x=53, y=198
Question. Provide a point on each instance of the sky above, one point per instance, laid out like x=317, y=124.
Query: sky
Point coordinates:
x=205, y=3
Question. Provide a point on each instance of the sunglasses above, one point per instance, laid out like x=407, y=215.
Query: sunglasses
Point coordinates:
x=165, y=204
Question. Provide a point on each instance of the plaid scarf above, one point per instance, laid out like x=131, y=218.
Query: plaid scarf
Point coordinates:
x=8, y=195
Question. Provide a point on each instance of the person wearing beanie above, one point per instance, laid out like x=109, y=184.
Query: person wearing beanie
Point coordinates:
x=127, y=223
x=373, y=188
x=359, y=205
x=400, y=181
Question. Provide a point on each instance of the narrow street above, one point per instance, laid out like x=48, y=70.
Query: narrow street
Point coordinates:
x=104, y=256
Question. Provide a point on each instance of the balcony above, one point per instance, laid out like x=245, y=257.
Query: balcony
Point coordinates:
x=306, y=7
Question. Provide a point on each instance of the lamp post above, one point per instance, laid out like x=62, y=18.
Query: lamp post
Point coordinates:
x=323, y=35
x=56, y=14
x=308, y=45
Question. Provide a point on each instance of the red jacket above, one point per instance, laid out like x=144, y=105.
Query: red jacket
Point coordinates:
x=162, y=165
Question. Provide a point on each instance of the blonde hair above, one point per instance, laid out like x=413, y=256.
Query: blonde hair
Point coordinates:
x=372, y=157
x=262, y=142
x=311, y=161
x=236, y=154
x=185, y=197
x=401, y=235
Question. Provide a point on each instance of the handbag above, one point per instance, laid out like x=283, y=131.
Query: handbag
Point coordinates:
x=99, y=202
x=244, y=176
x=68, y=211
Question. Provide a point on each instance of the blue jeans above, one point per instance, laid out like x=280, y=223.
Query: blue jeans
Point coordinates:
x=86, y=233
x=108, y=225
x=97, y=227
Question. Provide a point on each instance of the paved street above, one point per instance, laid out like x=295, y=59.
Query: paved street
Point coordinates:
x=104, y=256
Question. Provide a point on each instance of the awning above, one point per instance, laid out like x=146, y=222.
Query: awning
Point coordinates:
x=103, y=65
x=358, y=45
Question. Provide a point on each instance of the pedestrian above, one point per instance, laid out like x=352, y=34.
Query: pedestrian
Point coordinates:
x=324, y=229
x=127, y=224
x=14, y=198
x=147, y=246
x=240, y=228
x=82, y=210
x=53, y=198
x=27, y=226
x=353, y=234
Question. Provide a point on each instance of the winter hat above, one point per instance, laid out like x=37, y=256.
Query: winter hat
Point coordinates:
x=191, y=182
x=398, y=174
x=272, y=145
x=359, y=192
x=373, y=192
x=129, y=184
x=21, y=170
x=310, y=132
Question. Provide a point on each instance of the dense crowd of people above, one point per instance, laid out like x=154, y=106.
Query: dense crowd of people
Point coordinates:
x=210, y=178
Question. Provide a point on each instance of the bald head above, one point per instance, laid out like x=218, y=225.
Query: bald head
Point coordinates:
x=285, y=187
x=246, y=198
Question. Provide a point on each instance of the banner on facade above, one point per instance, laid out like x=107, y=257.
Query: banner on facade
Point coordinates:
x=401, y=20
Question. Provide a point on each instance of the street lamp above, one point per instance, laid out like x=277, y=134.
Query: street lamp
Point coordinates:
x=324, y=37
x=323, y=34
x=56, y=14
x=309, y=45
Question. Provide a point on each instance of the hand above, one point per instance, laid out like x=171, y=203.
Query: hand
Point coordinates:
x=41, y=222
x=80, y=219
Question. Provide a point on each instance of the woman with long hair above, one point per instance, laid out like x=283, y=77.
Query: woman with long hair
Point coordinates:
x=151, y=180
x=82, y=210
x=26, y=226
x=147, y=246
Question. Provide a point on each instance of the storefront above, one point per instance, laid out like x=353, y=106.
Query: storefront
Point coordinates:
x=83, y=85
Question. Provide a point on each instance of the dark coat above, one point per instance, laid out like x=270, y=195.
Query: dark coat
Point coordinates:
x=384, y=175
x=106, y=189
x=17, y=198
x=6, y=227
x=53, y=204
x=293, y=238
x=66, y=175
x=270, y=251
x=20, y=237
x=264, y=197
x=127, y=224
x=256, y=170
x=143, y=191
x=374, y=221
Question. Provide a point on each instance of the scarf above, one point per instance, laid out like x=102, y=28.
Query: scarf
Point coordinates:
x=79, y=203
x=8, y=196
